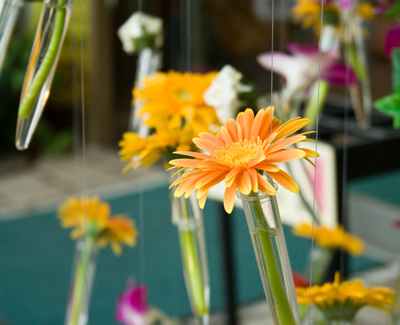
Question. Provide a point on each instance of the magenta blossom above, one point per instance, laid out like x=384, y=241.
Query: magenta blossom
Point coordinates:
x=396, y=224
x=132, y=306
x=392, y=40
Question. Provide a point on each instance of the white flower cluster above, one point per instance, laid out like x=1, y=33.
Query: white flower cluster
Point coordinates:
x=141, y=28
x=223, y=94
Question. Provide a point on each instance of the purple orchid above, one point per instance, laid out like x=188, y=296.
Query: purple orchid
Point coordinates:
x=301, y=68
x=392, y=40
x=132, y=306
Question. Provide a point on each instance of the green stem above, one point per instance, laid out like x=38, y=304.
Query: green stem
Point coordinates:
x=192, y=263
x=80, y=281
x=316, y=102
x=40, y=77
x=283, y=310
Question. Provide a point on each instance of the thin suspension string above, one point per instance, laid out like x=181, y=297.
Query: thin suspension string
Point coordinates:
x=316, y=149
x=142, y=261
x=272, y=49
x=83, y=129
x=188, y=36
x=345, y=143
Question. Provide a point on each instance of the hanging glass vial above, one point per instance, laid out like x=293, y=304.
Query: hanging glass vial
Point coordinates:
x=9, y=10
x=188, y=218
x=46, y=48
x=266, y=232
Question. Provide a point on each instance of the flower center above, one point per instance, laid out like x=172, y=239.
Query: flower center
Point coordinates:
x=183, y=94
x=239, y=154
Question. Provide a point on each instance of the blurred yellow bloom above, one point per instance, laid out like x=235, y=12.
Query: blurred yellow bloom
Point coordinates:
x=366, y=10
x=143, y=152
x=341, y=301
x=172, y=104
x=336, y=238
x=176, y=95
x=308, y=12
x=91, y=216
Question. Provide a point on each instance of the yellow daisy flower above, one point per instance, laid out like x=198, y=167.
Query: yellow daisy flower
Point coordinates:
x=335, y=238
x=92, y=217
x=341, y=301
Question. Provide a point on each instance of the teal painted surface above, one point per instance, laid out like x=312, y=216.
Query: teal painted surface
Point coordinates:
x=384, y=186
x=36, y=258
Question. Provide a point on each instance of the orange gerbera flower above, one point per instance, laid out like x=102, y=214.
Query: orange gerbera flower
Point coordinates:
x=92, y=217
x=238, y=153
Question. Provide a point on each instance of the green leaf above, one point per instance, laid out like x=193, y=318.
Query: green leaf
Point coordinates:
x=394, y=10
x=390, y=105
x=396, y=68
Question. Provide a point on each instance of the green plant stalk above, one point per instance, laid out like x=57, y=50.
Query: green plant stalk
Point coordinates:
x=80, y=281
x=30, y=98
x=284, y=312
x=355, y=63
x=191, y=260
x=316, y=102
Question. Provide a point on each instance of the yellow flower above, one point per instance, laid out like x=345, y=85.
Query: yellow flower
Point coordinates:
x=143, y=152
x=171, y=95
x=366, y=10
x=336, y=238
x=341, y=301
x=92, y=217
x=172, y=105
x=308, y=12
x=238, y=152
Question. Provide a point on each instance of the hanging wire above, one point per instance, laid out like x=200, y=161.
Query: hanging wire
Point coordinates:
x=345, y=144
x=316, y=149
x=272, y=49
x=83, y=137
x=188, y=36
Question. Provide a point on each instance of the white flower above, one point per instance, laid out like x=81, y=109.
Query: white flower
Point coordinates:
x=139, y=31
x=223, y=93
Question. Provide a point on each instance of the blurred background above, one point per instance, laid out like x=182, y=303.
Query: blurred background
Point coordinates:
x=75, y=152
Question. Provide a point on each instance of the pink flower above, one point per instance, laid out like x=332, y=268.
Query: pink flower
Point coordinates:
x=396, y=224
x=132, y=306
x=392, y=40
x=301, y=68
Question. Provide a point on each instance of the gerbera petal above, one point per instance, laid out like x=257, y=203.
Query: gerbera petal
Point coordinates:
x=290, y=127
x=283, y=143
x=253, y=177
x=285, y=180
x=205, y=145
x=189, y=163
x=211, y=138
x=285, y=155
x=214, y=175
x=265, y=186
x=229, y=198
x=193, y=154
x=248, y=118
x=230, y=177
x=310, y=153
x=268, y=167
x=202, y=200
x=224, y=135
x=243, y=182
x=231, y=127
x=256, y=160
